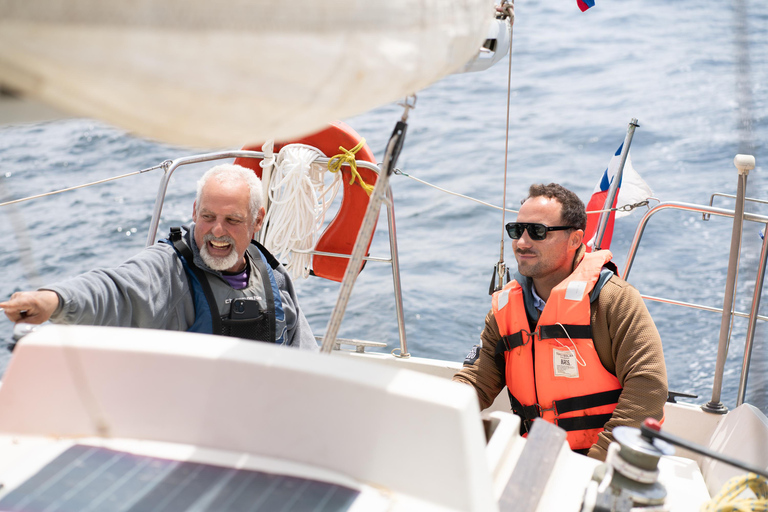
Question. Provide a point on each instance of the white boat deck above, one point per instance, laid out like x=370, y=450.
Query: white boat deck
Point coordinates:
x=401, y=439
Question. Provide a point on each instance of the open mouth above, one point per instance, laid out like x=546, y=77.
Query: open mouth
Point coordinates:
x=218, y=246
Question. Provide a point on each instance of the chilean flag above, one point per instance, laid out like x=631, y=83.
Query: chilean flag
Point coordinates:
x=632, y=189
x=585, y=4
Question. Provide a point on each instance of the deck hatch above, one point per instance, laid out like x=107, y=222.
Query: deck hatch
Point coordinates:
x=87, y=478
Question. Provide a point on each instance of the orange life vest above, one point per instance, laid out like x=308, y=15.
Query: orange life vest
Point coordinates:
x=554, y=372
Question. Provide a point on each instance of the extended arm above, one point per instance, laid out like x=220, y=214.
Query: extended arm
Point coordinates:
x=149, y=290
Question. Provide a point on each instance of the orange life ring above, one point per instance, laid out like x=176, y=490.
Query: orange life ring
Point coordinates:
x=340, y=235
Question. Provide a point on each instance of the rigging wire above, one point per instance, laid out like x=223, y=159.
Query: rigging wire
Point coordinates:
x=21, y=231
x=623, y=208
x=510, y=9
x=449, y=192
x=99, y=182
x=500, y=271
x=399, y=172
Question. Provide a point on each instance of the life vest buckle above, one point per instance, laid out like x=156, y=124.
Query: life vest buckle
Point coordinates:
x=541, y=410
x=175, y=234
x=527, y=336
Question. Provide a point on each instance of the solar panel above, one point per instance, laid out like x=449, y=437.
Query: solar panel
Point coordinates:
x=88, y=478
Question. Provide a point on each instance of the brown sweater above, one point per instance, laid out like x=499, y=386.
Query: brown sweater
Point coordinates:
x=628, y=344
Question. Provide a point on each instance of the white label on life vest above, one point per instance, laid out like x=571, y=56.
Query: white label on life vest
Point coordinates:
x=575, y=290
x=565, y=363
x=503, y=299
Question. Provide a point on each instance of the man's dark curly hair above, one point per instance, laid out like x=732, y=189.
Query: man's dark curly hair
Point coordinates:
x=573, y=214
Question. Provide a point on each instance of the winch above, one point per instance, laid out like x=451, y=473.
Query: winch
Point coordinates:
x=629, y=477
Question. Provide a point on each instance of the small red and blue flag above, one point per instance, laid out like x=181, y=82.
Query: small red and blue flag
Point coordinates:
x=632, y=189
x=585, y=4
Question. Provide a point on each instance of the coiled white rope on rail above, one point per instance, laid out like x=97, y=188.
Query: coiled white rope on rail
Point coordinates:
x=299, y=200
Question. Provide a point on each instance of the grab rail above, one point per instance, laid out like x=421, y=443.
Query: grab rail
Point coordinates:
x=743, y=164
x=170, y=166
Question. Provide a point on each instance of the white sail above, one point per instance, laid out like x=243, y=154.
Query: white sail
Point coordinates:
x=218, y=74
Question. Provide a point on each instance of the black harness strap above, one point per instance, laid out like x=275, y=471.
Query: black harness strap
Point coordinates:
x=528, y=413
x=185, y=251
x=579, y=403
x=512, y=341
x=583, y=422
x=269, y=296
x=270, y=258
x=547, y=332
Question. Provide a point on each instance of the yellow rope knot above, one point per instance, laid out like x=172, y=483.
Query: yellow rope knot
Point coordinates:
x=348, y=157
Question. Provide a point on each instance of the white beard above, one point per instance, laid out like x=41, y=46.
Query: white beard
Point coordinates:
x=219, y=262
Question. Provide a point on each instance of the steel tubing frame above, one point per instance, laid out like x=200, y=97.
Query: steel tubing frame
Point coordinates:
x=739, y=216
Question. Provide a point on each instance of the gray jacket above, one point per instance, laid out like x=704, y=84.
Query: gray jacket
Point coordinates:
x=151, y=290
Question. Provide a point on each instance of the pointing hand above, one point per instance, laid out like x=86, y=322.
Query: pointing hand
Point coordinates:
x=31, y=307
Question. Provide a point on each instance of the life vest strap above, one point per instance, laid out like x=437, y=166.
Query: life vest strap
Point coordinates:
x=269, y=296
x=512, y=341
x=547, y=332
x=583, y=422
x=579, y=403
x=526, y=413
x=544, y=332
x=178, y=242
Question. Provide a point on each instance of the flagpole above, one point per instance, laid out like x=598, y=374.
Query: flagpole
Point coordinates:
x=602, y=223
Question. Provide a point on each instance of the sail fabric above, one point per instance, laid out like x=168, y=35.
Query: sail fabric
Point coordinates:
x=632, y=189
x=232, y=72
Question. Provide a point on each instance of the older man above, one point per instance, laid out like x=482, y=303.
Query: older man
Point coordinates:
x=214, y=278
x=573, y=343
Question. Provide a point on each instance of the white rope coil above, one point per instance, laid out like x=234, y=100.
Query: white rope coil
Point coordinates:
x=298, y=201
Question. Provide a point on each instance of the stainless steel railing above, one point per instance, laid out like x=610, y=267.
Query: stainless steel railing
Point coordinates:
x=744, y=163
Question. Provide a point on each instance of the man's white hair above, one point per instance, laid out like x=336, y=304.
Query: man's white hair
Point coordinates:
x=228, y=173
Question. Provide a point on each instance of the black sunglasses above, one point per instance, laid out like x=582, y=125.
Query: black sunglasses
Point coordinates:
x=535, y=231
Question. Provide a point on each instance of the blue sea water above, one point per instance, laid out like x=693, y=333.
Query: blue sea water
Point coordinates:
x=694, y=73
